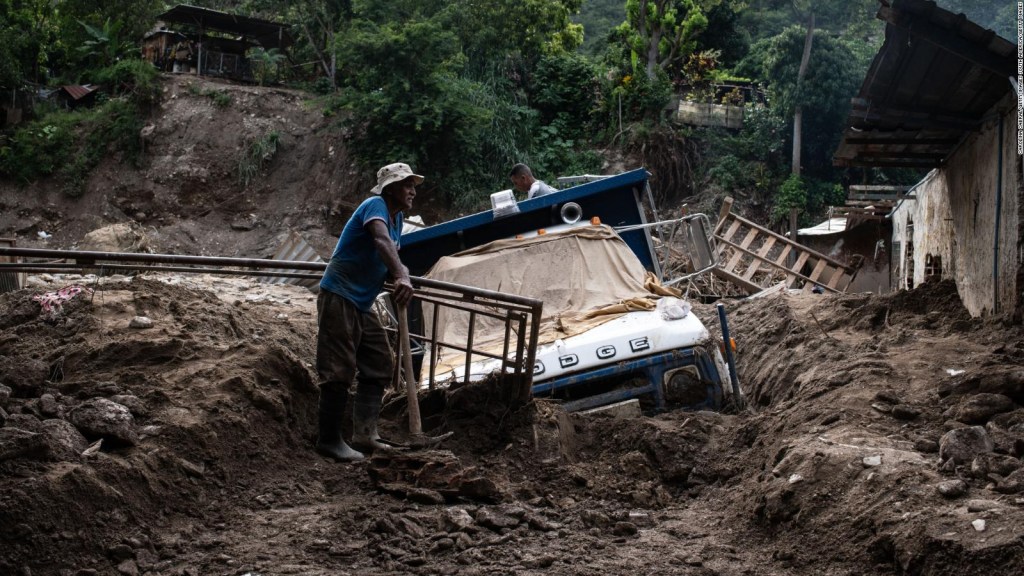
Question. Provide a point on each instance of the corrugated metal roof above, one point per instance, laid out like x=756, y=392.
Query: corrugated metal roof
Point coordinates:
x=935, y=77
x=830, y=226
x=79, y=92
x=294, y=248
x=268, y=34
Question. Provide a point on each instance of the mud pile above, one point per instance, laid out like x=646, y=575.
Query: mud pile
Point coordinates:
x=885, y=434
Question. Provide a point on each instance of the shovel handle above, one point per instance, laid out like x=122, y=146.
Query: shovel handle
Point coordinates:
x=411, y=386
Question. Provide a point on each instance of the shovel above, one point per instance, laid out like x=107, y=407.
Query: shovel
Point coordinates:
x=417, y=439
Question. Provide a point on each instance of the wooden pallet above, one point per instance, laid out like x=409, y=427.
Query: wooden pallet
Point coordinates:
x=755, y=258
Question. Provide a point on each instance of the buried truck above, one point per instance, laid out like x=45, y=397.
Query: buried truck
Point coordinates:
x=612, y=327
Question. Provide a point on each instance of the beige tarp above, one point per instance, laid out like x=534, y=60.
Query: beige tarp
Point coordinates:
x=585, y=276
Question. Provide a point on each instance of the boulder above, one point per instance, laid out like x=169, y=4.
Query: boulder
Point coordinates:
x=992, y=463
x=64, y=441
x=48, y=405
x=962, y=445
x=1005, y=380
x=15, y=442
x=132, y=403
x=979, y=408
x=5, y=395
x=102, y=418
x=952, y=488
x=25, y=422
x=116, y=238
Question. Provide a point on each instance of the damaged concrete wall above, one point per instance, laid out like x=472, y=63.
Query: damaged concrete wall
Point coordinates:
x=955, y=217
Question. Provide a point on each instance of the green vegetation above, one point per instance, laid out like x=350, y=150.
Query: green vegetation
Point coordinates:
x=70, y=144
x=220, y=98
x=464, y=90
x=255, y=156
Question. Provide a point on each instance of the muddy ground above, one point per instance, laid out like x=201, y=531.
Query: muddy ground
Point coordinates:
x=884, y=434
x=834, y=469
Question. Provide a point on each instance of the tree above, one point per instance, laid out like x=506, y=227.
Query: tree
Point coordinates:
x=663, y=32
x=105, y=44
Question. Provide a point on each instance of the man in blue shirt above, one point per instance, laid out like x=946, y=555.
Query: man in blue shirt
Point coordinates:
x=350, y=338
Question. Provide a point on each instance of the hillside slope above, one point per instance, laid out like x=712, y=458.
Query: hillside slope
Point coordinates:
x=187, y=195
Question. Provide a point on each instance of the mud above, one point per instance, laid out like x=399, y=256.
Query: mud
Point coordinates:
x=834, y=469
x=884, y=434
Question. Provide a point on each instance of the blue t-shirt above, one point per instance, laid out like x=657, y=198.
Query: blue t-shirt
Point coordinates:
x=356, y=272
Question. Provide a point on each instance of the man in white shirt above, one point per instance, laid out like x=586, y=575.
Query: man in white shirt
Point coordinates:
x=524, y=182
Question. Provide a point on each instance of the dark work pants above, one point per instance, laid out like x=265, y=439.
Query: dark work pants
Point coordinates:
x=349, y=342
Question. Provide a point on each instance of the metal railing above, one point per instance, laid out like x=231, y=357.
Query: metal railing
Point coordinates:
x=519, y=315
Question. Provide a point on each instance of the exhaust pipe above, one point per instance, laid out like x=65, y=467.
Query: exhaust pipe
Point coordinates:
x=571, y=213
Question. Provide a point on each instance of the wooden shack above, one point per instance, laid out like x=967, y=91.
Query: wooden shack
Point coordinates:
x=210, y=43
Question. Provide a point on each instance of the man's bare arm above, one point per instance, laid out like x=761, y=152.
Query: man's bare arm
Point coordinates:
x=389, y=254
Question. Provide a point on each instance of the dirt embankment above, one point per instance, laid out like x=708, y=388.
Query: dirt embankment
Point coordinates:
x=885, y=435
x=188, y=196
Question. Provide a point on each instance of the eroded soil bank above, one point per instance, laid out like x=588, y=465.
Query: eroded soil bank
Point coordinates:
x=885, y=434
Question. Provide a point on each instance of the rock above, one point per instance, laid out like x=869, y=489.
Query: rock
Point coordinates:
x=1012, y=484
x=479, y=488
x=463, y=541
x=25, y=422
x=119, y=552
x=979, y=408
x=494, y=520
x=145, y=559
x=141, y=322
x=5, y=396
x=128, y=568
x=926, y=446
x=409, y=526
x=1007, y=380
x=887, y=396
x=625, y=529
x=595, y=518
x=872, y=461
x=538, y=522
x=905, y=412
x=424, y=495
x=952, y=488
x=694, y=561
x=101, y=418
x=982, y=505
x=978, y=524
x=48, y=405
x=992, y=463
x=116, y=238
x=962, y=445
x=441, y=545
x=132, y=403
x=64, y=441
x=3, y=417
x=15, y=442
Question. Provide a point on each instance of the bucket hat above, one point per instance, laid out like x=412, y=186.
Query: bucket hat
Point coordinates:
x=394, y=173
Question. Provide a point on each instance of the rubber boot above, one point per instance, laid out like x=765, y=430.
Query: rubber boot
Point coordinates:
x=365, y=413
x=329, y=441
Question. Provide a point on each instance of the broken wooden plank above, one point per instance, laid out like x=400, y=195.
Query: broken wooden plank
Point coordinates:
x=747, y=285
x=762, y=255
x=795, y=270
x=818, y=269
x=742, y=250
